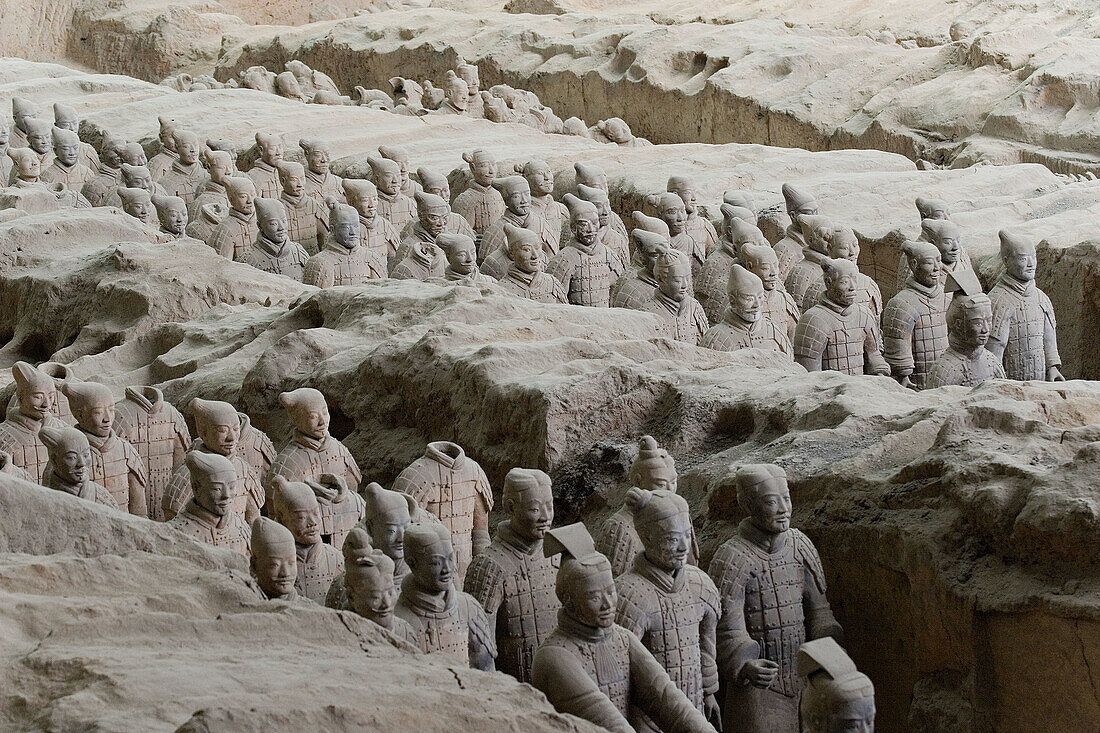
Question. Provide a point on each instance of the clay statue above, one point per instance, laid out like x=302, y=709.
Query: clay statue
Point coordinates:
x=66, y=167
x=305, y=214
x=779, y=306
x=106, y=175
x=408, y=96
x=343, y=261
x=461, y=254
x=418, y=257
x=590, y=666
x=595, y=177
x=611, y=237
x=744, y=325
x=218, y=427
x=540, y=179
x=160, y=436
x=790, y=249
x=70, y=465
x=219, y=169
x=945, y=234
x=836, y=696
x=681, y=316
x=162, y=161
x=638, y=286
x=517, y=201
x=26, y=168
x=840, y=242
x=8, y=468
x=805, y=280
x=698, y=227
x=436, y=184
x=295, y=506
x=1024, y=332
x=445, y=619
x=5, y=159
x=139, y=204
x=388, y=514
x=313, y=453
x=274, y=561
x=371, y=591
x=172, y=215
x=480, y=203
x=116, y=465
x=274, y=251
x=929, y=208
x=457, y=96
x=186, y=175
x=321, y=184
x=585, y=267
x=238, y=231
x=394, y=206
x=772, y=586
x=450, y=485
x=525, y=276
x=65, y=118
x=264, y=174
x=400, y=155
x=513, y=579
x=210, y=515
x=134, y=154
x=966, y=361
x=671, y=210
x=286, y=86
x=914, y=324
x=375, y=232
x=19, y=431
x=40, y=140
x=673, y=607
x=209, y=217
x=616, y=131
x=469, y=74
x=711, y=285
x=21, y=111
x=839, y=334
x=59, y=406
x=255, y=447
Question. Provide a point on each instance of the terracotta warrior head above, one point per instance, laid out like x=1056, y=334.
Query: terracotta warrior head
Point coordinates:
x=460, y=250
x=93, y=406
x=584, y=220
x=36, y=390
x=524, y=248
x=741, y=232
x=308, y=411
x=317, y=155
x=39, y=135
x=343, y=222
x=110, y=153
x=924, y=261
x=969, y=322
x=528, y=500
x=241, y=192
x=430, y=556
x=799, y=201
x=407, y=92
x=138, y=176
x=684, y=187
x=286, y=85
x=295, y=506
x=930, y=208
x=739, y=199
x=187, y=146
x=387, y=175
x=172, y=214
x=274, y=560
x=516, y=192
x=746, y=294
x=672, y=272
x=270, y=147
x=70, y=454
x=387, y=516
x=469, y=74
x=166, y=133
x=432, y=212
x=648, y=246
x=838, y=698
x=457, y=91
x=1018, y=256
x=5, y=137
x=539, y=176
x=398, y=155
x=21, y=111
x=763, y=495
x=762, y=261
x=434, y=183
x=66, y=146
x=219, y=166
x=368, y=578
x=139, y=204
x=663, y=523
x=651, y=224
x=731, y=215
x=483, y=167
x=589, y=174
x=134, y=154
x=616, y=130
x=217, y=424
x=585, y=585
x=213, y=481
x=654, y=469
x=598, y=198
x=841, y=278
x=272, y=220
x=362, y=196
x=671, y=210
x=28, y=165
x=945, y=234
x=223, y=145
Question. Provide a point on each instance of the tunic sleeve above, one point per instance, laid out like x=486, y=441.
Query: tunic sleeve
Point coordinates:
x=652, y=690
x=558, y=674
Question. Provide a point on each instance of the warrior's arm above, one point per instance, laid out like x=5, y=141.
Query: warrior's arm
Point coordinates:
x=733, y=645
x=653, y=691
x=570, y=690
x=819, y=616
x=998, y=335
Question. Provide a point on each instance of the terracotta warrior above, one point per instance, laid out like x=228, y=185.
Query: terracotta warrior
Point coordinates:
x=238, y=231
x=592, y=175
x=139, y=204
x=321, y=183
x=40, y=141
x=21, y=111
x=434, y=183
x=305, y=214
x=172, y=215
x=946, y=235
x=839, y=334
x=160, y=436
x=219, y=169
x=772, y=586
x=457, y=96
x=842, y=243
x=418, y=245
x=274, y=251
x=517, y=201
x=513, y=579
x=590, y=666
x=966, y=361
x=343, y=261
x=914, y=324
x=400, y=155
x=371, y=591
x=638, y=285
x=611, y=237
x=19, y=431
x=162, y=161
x=469, y=74
x=186, y=176
x=70, y=465
x=698, y=227
x=274, y=561
x=525, y=276
x=779, y=306
x=480, y=203
x=732, y=213
x=116, y=465
x=26, y=168
x=540, y=178
x=408, y=96
x=672, y=606
x=711, y=285
x=806, y=278
x=295, y=506
x=1024, y=333
x=210, y=515
x=218, y=426
x=59, y=406
x=836, y=696
x=5, y=158
x=446, y=620
x=744, y=325
x=375, y=232
x=66, y=167
x=671, y=210
x=790, y=249
x=312, y=453
x=585, y=267
x=449, y=484
x=264, y=174
x=681, y=316
x=930, y=208
x=394, y=206
x=461, y=254
x=106, y=176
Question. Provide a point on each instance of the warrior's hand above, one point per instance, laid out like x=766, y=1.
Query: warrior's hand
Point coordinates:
x=760, y=673
x=1053, y=375
x=713, y=712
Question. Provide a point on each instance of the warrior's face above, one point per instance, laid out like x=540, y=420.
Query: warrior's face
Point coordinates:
x=276, y=572
x=215, y=494
x=304, y=524
x=667, y=542
x=592, y=599
x=74, y=465
x=388, y=534
x=221, y=438
x=36, y=403
x=371, y=594
x=771, y=506
x=434, y=567
x=926, y=270
x=532, y=512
